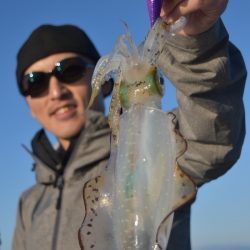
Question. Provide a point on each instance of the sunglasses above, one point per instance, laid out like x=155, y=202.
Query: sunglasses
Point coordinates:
x=67, y=71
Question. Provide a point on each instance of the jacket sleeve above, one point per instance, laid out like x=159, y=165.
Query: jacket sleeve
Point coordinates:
x=209, y=75
x=18, y=242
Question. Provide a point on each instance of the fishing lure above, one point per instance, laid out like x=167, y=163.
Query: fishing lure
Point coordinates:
x=154, y=10
x=131, y=205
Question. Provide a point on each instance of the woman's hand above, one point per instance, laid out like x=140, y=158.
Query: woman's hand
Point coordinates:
x=201, y=14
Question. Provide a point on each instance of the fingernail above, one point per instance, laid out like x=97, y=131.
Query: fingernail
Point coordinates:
x=169, y=20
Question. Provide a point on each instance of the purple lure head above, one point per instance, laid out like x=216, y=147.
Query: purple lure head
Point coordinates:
x=154, y=10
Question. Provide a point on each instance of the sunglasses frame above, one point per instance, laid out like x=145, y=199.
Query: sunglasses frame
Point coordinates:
x=57, y=71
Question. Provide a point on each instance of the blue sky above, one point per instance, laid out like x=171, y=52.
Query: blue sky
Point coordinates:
x=220, y=215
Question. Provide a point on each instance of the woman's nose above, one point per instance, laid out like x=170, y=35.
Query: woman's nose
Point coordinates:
x=56, y=88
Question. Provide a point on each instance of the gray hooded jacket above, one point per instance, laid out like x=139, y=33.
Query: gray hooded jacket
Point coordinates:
x=209, y=75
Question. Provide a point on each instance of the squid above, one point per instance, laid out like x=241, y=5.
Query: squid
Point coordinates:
x=132, y=203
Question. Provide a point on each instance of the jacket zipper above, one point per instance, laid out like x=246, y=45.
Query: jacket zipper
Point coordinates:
x=59, y=184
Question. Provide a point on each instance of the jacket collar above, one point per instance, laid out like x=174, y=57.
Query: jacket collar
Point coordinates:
x=92, y=146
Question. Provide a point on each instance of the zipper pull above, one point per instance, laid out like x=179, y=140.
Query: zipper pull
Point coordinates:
x=59, y=185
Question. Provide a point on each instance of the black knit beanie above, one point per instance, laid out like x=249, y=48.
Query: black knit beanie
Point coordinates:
x=50, y=39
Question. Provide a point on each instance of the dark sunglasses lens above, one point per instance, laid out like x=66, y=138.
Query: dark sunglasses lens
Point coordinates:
x=35, y=84
x=70, y=70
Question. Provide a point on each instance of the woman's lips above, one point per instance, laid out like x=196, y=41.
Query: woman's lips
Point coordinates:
x=66, y=112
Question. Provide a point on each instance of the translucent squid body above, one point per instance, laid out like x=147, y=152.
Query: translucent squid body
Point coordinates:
x=131, y=205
